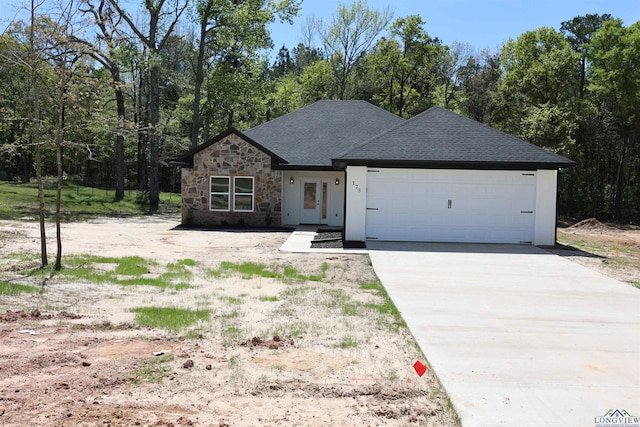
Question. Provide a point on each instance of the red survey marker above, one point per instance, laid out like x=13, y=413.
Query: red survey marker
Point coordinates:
x=420, y=368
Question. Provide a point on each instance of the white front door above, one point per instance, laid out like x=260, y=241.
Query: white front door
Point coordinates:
x=311, y=202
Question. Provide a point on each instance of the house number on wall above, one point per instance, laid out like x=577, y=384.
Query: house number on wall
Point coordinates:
x=357, y=187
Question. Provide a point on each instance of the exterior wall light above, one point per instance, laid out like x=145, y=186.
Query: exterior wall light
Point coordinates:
x=337, y=181
x=291, y=180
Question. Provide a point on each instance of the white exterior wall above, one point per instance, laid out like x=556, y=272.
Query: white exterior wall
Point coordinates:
x=355, y=223
x=292, y=196
x=545, y=211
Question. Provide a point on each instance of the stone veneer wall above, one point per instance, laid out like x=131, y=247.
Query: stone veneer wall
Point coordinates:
x=231, y=156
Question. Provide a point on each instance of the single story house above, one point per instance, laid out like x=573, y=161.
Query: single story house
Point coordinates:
x=436, y=177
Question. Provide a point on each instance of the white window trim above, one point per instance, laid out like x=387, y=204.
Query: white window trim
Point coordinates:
x=211, y=193
x=252, y=194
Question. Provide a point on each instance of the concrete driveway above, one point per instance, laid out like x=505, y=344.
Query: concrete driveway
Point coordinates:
x=517, y=335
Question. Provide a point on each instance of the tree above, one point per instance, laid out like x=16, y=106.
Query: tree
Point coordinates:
x=64, y=56
x=479, y=81
x=236, y=93
x=304, y=56
x=231, y=28
x=16, y=113
x=154, y=41
x=34, y=64
x=540, y=65
x=615, y=69
x=539, y=70
x=457, y=56
x=316, y=82
x=352, y=31
x=406, y=67
x=104, y=17
x=285, y=97
x=283, y=64
x=578, y=33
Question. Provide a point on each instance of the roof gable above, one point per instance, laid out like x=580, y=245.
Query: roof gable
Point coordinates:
x=313, y=135
x=186, y=160
x=441, y=138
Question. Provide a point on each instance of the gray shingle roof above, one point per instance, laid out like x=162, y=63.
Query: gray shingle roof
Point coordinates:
x=441, y=138
x=315, y=134
x=338, y=133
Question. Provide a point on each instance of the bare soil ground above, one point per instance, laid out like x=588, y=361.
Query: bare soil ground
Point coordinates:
x=273, y=353
x=611, y=249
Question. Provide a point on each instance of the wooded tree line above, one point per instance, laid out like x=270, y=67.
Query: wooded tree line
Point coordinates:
x=108, y=95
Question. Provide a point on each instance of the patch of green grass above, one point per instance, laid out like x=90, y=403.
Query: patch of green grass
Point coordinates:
x=187, y=262
x=21, y=257
x=127, y=271
x=178, y=270
x=268, y=298
x=169, y=318
x=350, y=309
x=387, y=307
x=151, y=370
x=291, y=275
x=233, y=314
x=180, y=286
x=348, y=342
x=248, y=270
x=14, y=289
x=78, y=202
x=375, y=286
x=56, y=307
x=132, y=266
x=323, y=272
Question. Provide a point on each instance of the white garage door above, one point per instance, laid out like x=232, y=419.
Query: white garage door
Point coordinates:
x=434, y=205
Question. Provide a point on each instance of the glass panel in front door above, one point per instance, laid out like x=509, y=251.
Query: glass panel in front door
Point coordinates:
x=324, y=200
x=310, y=195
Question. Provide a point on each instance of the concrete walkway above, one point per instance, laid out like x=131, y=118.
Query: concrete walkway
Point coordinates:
x=517, y=336
x=300, y=242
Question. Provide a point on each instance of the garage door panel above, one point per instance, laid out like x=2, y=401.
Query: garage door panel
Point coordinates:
x=450, y=205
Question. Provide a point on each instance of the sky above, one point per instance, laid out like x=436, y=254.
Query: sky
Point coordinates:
x=480, y=23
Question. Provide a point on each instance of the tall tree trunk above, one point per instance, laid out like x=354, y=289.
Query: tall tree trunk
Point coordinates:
x=120, y=132
x=620, y=178
x=583, y=73
x=142, y=120
x=230, y=119
x=59, y=141
x=342, y=84
x=36, y=138
x=154, y=110
x=207, y=122
x=199, y=71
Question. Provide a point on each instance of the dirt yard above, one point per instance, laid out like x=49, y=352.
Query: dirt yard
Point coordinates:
x=274, y=352
x=611, y=249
